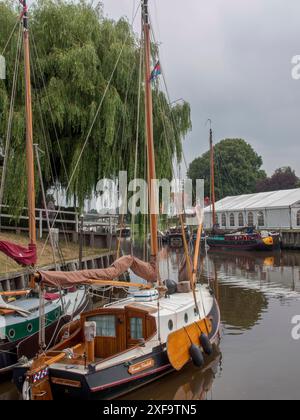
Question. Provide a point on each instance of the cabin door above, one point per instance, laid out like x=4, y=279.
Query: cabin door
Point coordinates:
x=110, y=334
x=136, y=327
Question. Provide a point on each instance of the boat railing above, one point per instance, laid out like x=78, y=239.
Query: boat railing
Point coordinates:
x=121, y=301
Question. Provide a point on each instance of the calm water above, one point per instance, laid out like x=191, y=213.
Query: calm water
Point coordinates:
x=258, y=296
x=257, y=357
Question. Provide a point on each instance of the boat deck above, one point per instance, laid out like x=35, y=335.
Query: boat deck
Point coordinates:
x=175, y=307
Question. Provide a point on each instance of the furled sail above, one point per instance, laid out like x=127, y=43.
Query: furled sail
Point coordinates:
x=144, y=270
x=20, y=254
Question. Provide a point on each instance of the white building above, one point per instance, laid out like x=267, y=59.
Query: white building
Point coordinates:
x=272, y=210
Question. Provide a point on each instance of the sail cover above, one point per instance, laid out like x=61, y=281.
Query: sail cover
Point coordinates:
x=20, y=254
x=144, y=270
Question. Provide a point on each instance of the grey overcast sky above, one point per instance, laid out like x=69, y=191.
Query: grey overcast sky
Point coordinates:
x=231, y=60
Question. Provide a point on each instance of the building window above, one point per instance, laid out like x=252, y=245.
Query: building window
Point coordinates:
x=217, y=220
x=224, y=219
x=250, y=219
x=298, y=218
x=105, y=325
x=232, y=221
x=241, y=220
x=260, y=219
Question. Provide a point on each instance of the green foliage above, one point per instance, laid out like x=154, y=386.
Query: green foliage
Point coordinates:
x=237, y=168
x=74, y=50
x=283, y=179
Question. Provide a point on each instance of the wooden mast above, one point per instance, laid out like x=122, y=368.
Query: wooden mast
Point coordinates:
x=29, y=136
x=149, y=130
x=212, y=179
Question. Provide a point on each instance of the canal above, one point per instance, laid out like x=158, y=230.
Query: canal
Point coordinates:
x=259, y=295
x=258, y=359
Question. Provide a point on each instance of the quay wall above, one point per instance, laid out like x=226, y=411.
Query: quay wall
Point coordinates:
x=19, y=280
x=290, y=239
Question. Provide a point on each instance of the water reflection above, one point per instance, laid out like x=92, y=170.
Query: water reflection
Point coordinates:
x=190, y=383
x=8, y=391
x=276, y=275
x=258, y=295
x=241, y=309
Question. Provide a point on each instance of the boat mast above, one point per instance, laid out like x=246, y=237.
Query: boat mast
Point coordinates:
x=149, y=130
x=29, y=136
x=212, y=178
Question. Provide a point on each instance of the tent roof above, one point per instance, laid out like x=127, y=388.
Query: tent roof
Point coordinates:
x=272, y=199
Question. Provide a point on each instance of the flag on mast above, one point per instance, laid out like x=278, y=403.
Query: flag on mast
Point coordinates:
x=155, y=72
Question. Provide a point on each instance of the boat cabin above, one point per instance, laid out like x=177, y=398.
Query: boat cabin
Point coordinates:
x=117, y=330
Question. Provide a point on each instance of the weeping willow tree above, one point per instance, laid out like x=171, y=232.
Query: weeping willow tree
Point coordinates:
x=74, y=51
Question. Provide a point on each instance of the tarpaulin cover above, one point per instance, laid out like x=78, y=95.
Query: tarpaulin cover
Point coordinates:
x=145, y=270
x=20, y=254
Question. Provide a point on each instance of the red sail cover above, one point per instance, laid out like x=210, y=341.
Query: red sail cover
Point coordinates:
x=20, y=254
x=147, y=271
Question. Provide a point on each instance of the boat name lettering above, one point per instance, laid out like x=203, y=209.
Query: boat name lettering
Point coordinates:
x=139, y=367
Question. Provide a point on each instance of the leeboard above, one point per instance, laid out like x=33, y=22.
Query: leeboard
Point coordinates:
x=179, y=342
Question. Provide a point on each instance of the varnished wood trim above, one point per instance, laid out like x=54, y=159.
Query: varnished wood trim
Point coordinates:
x=66, y=382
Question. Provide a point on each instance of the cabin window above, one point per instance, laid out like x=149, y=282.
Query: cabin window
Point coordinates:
x=224, y=219
x=250, y=219
x=260, y=219
x=170, y=324
x=11, y=334
x=241, y=220
x=105, y=325
x=232, y=221
x=186, y=318
x=136, y=328
x=298, y=218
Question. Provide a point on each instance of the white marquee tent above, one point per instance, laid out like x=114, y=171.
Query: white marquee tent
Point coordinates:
x=272, y=210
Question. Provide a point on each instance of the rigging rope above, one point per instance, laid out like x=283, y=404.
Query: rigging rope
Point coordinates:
x=50, y=109
x=168, y=95
x=137, y=137
x=11, y=34
x=37, y=99
x=181, y=219
x=11, y=113
x=96, y=116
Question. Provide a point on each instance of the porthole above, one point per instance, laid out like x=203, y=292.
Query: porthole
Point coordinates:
x=170, y=324
x=11, y=334
x=186, y=318
x=29, y=328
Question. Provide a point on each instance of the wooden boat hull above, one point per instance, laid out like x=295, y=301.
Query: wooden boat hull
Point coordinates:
x=252, y=244
x=11, y=352
x=114, y=381
x=29, y=347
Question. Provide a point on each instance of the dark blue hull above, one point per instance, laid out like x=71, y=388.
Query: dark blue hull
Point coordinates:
x=114, y=381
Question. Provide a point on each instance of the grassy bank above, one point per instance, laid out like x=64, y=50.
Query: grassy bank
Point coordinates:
x=69, y=250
